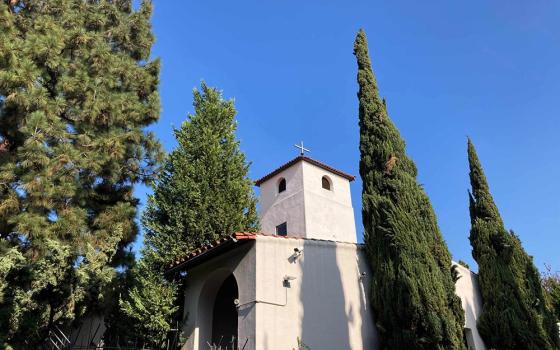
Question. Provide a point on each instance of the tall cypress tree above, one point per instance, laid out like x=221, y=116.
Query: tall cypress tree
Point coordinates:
x=203, y=194
x=77, y=89
x=413, y=293
x=514, y=313
x=551, y=285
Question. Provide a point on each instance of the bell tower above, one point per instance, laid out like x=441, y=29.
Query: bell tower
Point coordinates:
x=308, y=199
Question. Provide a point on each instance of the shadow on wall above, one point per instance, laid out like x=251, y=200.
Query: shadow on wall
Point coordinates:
x=325, y=320
x=369, y=333
x=468, y=330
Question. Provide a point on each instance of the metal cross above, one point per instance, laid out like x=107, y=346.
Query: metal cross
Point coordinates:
x=302, y=149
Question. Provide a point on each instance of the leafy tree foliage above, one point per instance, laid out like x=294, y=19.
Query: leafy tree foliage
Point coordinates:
x=150, y=304
x=514, y=313
x=203, y=193
x=551, y=287
x=413, y=292
x=77, y=90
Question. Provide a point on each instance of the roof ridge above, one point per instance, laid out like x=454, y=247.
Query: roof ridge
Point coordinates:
x=306, y=159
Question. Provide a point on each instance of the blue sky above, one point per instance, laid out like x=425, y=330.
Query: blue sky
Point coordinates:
x=448, y=69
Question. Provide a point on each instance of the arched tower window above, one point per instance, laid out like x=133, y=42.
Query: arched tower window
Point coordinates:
x=281, y=185
x=326, y=183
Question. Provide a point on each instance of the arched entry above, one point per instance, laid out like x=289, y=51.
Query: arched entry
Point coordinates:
x=224, y=315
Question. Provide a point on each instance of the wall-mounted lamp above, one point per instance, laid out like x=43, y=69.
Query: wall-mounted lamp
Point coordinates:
x=297, y=253
x=287, y=280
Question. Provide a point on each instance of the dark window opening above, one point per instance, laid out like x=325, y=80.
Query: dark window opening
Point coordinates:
x=282, y=185
x=224, y=318
x=326, y=183
x=282, y=229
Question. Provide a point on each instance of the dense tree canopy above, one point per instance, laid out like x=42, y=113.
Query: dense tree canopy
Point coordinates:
x=204, y=193
x=413, y=292
x=150, y=304
x=551, y=287
x=77, y=89
x=514, y=313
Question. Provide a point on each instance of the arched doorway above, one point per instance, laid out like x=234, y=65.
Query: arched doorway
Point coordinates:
x=224, y=315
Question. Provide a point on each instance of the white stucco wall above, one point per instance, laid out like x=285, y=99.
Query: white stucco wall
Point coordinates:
x=309, y=210
x=203, y=283
x=326, y=305
x=467, y=289
x=328, y=214
x=287, y=206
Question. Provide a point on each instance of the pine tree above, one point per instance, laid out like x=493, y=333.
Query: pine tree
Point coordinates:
x=413, y=293
x=514, y=313
x=203, y=194
x=77, y=89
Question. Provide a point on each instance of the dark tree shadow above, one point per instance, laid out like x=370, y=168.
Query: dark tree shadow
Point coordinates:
x=325, y=320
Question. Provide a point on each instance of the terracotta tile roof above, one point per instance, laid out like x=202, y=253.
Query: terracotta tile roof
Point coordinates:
x=221, y=243
x=305, y=159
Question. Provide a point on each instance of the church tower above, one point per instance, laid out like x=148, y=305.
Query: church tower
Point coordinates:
x=308, y=199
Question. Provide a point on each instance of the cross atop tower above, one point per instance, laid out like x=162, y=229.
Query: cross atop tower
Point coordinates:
x=302, y=149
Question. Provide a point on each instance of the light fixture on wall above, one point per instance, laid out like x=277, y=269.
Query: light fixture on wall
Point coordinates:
x=297, y=253
x=287, y=280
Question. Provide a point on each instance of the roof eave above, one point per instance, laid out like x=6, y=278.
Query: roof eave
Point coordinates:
x=305, y=159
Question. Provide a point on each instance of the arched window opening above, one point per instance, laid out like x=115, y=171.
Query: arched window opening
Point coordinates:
x=326, y=183
x=282, y=185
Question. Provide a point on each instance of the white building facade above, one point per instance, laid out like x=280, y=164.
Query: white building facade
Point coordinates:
x=304, y=277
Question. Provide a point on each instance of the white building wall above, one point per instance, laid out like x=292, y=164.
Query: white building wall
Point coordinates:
x=309, y=210
x=203, y=283
x=326, y=305
x=467, y=289
x=328, y=214
x=288, y=206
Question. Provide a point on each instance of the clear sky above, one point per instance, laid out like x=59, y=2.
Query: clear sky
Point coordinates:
x=448, y=69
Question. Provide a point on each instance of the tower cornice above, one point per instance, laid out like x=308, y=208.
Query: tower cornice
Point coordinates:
x=303, y=159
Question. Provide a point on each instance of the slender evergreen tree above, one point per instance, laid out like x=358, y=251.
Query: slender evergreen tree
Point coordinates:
x=514, y=313
x=413, y=293
x=77, y=89
x=204, y=193
x=551, y=286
